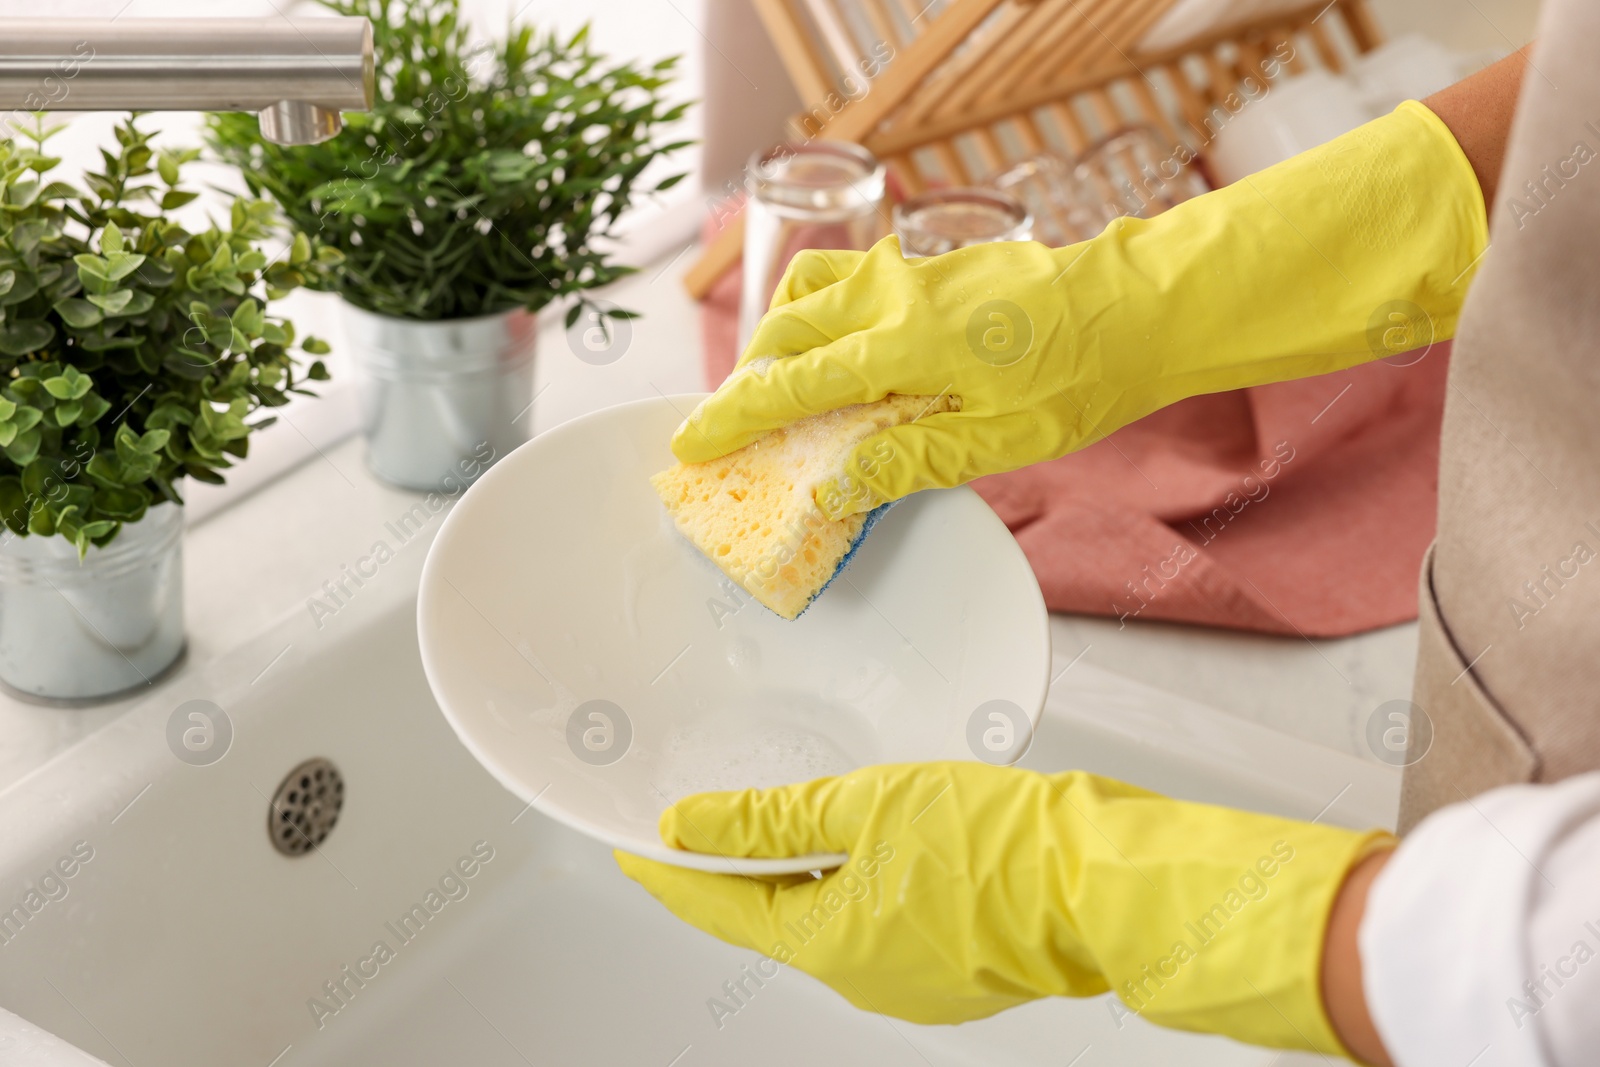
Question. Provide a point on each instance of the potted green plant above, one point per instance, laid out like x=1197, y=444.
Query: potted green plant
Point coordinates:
x=134, y=353
x=475, y=192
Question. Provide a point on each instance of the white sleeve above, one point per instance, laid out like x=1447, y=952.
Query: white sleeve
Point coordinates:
x=1481, y=939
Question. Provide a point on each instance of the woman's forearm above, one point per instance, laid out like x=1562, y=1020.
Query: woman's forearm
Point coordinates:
x=1478, y=112
x=1342, y=993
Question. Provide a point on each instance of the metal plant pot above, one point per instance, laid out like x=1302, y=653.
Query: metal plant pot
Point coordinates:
x=441, y=400
x=74, y=632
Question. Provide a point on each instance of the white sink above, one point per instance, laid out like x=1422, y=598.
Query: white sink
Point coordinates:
x=186, y=939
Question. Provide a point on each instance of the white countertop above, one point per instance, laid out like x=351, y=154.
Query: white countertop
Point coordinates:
x=267, y=555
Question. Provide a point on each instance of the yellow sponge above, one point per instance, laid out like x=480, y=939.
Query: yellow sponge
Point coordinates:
x=751, y=511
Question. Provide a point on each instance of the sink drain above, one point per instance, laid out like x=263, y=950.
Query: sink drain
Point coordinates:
x=306, y=807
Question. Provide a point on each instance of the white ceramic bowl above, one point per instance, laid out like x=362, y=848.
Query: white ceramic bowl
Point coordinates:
x=601, y=668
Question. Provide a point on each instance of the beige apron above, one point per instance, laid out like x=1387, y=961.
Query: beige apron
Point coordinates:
x=1508, y=668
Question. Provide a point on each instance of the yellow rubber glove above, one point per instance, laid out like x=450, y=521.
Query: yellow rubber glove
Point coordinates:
x=1360, y=248
x=973, y=888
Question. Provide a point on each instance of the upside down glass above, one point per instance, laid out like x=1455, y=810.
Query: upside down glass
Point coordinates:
x=825, y=194
x=1045, y=186
x=1135, y=171
x=1131, y=171
x=946, y=219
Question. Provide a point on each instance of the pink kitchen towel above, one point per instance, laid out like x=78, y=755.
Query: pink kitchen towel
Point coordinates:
x=1300, y=508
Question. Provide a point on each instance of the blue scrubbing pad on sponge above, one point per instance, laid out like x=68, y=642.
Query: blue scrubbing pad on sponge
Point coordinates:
x=868, y=521
x=752, y=513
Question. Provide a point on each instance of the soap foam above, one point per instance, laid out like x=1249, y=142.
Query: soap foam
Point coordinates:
x=817, y=451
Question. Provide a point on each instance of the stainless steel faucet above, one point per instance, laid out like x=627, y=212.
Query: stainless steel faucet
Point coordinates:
x=298, y=76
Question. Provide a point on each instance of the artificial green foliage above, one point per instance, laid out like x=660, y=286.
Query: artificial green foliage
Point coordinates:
x=132, y=351
x=482, y=179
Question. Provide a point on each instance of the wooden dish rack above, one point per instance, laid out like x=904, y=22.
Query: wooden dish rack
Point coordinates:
x=953, y=92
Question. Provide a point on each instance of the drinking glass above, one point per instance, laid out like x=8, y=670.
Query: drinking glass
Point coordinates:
x=825, y=194
x=947, y=219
